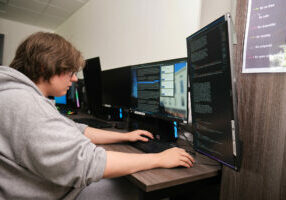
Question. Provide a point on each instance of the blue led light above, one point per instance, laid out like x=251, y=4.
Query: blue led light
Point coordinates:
x=120, y=113
x=175, y=130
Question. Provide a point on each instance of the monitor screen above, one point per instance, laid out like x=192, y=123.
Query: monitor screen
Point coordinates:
x=212, y=91
x=159, y=89
x=116, y=87
x=92, y=82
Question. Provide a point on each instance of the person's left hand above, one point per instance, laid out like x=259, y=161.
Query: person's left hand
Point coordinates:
x=134, y=136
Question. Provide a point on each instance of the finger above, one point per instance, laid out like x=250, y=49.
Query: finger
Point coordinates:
x=186, y=160
x=192, y=159
x=188, y=156
x=144, y=139
x=147, y=133
x=184, y=164
x=181, y=149
x=183, y=152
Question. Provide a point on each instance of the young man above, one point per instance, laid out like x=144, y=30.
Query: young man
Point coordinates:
x=44, y=155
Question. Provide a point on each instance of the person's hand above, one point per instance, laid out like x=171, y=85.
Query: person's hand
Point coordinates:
x=175, y=157
x=137, y=135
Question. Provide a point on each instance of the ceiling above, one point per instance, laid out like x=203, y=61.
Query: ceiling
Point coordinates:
x=43, y=13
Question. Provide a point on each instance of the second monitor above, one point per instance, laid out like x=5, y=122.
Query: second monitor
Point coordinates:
x=159, y=89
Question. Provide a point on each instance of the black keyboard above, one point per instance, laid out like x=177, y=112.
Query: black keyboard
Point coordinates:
x=93, y=122
x=153, y=146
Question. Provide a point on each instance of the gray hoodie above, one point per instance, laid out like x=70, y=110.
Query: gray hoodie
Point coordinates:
x=43, y=155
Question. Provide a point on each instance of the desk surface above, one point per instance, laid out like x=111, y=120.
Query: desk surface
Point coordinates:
x=155, y=179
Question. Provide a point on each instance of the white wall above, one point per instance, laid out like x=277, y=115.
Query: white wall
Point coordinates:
x=213, y=9
x=128, y=32
x=15, y=33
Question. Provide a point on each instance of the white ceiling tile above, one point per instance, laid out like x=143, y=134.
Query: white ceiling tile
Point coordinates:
x=3, y=7
x=70, y=5
x=58, y=12
x=21, y=15
x=28, y=5
x=49, y=21
x=51, y=18
x=44, y=13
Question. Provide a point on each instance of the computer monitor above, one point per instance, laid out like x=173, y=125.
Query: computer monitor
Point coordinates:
x=213, y=92
x=116, y=91
x=116, y=87
x=159, y=90
x=72, y=96
x=68, y=103
x=61, y=100
x=92, y=82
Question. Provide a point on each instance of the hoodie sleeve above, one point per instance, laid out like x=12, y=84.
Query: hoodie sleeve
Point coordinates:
x=81, y=127
x=60, y=153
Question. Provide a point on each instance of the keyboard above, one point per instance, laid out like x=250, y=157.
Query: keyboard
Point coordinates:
x=153, y=146
x=66, y=110
x=93, y=122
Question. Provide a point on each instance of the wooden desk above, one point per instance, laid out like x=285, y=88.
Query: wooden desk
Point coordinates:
x=156, y=179
x=160, y=183
x=154, y=184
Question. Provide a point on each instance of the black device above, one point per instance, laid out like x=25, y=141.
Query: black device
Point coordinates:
x=116, y=91
x=92, y=81
x=213, y=92
x=159, y=97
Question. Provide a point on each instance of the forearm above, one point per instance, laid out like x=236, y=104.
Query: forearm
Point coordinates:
x=99, y=136
x=120, y=164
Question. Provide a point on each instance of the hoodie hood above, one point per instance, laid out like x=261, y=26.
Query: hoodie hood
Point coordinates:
x=13, y=79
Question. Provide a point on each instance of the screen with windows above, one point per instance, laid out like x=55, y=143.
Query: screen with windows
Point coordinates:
x=159, y=89
x=212, y=91
x=116, y=87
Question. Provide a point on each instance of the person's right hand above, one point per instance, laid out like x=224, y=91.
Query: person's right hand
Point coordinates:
x=175, y=157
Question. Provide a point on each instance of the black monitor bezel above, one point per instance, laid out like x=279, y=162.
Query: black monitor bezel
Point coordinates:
x=116, y=106
x=93, y=86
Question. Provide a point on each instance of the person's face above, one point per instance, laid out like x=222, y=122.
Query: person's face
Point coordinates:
x=59, y=84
